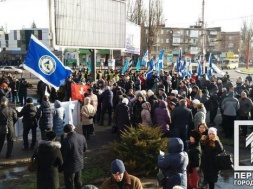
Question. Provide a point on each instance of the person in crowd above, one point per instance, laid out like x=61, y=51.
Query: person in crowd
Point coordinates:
x=45, y=115
x=120, y=178
x=89, y=187
x=122, y=116
x=58, y=120
x=161, y=93
x=163, y=119
x=146, y=114
x=203, y=130
x=230, y=106
x=94, y=103
x=41, y=88
x=88, y=112
x=246, y=106
x=174, y=164
x=68, y=88
x=74, y=145
x=4, y=90
x=107, y=105
x=183, y=88
x=194, y=107
x=182, y=120
x=29, y=120
x=49, y=158
x=200, y=116
x=205, y=99
x=171, y=106
x=211, y=146
x=8, y=117
x=14, y=89
x=194, y=152
x=22, y=91
x=137, y=108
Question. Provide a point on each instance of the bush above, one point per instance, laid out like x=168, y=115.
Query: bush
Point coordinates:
x=139, y=148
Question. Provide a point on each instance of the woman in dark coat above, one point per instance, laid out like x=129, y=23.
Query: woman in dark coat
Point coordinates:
x=174, y=164
x=122, y=115
x=210, y=148
x=48, y=157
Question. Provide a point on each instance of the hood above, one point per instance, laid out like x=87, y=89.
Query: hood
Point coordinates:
x=146, y=105
x=175, y=145
x=230, y=94
x=86, y=101
x=55, y=144
x=57, y=104
x=163, y=104
x=45, y=104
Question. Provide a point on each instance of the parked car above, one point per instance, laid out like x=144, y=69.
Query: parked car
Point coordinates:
x=11, y=69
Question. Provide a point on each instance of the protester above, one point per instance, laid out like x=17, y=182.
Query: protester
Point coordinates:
x=174, y=164
x=146, y=114
x=29, y=120
x=49, y=159
x=8, y=117
x=120, y=178
x=200, y=116
x=4, y=90
x=107, y=105
x=72, y=152
x=58, y=120
x=45, y=116
x=210, y=148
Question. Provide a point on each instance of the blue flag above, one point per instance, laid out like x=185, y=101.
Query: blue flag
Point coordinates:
x=156, y=68
x=144, y=60
x=199, y=67
x=160, y=61
x=89, y=64
x=138, y=65
x=125, y=67
x=209, y=71
x=45, y=65
x=150, y=69
x=179, y=60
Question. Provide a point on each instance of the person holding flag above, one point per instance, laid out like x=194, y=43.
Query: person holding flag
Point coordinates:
x=210, y=69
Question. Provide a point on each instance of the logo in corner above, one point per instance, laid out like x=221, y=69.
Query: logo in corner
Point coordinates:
x=249, y=141
x=47, y=64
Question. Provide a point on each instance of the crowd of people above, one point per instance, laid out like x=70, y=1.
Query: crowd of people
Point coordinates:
x=178, y=106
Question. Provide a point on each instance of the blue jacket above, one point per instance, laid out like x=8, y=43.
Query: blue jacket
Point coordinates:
x=106, y=98
x=45, y=115
x=174, y=164
x=58, y=120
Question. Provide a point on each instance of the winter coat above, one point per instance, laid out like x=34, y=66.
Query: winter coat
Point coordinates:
x=122, y=116
x=87, y=111
x=58, y=119
x=162, y=117
x=93, y=100
x=8, y=117
x=49, y=158
x=194, y=154
x=181, y=117
x=230, y=105
x=129, y=182
x=245, y=106
x=137, y=112
x=45, y=115
x=174, y=164
x=200, y=117
x=106, y=98
x=208, y=161
x=28, y=113
x=146, y=115
x=72, y=152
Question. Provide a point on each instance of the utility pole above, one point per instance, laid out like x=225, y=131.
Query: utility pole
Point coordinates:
x=203, y=28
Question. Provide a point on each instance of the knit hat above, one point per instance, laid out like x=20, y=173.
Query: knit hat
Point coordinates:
x=196, y=135
x=212, y=130
x=125, y=101
x=117, y=166
x=196, y=101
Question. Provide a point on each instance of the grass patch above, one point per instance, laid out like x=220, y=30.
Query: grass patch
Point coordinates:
x=88, y=176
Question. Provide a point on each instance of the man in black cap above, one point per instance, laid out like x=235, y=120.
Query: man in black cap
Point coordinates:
x=72, y=152
x=161, y=94
x=120, y=178
x=8, y=117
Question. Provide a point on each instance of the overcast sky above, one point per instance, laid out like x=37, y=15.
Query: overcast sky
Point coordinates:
x=228, y=14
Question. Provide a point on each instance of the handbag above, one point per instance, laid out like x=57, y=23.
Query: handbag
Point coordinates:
x=193, y=178
x=224, y=161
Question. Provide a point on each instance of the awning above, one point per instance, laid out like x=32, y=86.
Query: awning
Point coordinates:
x=84, y=51
x=103, y=51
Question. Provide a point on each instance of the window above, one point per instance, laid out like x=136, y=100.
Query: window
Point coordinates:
x=176, y=40
x=161, y=40
x=167, y=41
x=6, y=37
x=7, y=43
x=15, y=35
x=18, y=43
x=162, y=31
x=231, y=37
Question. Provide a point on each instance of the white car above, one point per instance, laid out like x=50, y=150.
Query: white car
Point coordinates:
x=11, y=69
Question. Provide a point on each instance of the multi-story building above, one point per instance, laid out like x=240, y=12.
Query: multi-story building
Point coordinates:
x=191, y=41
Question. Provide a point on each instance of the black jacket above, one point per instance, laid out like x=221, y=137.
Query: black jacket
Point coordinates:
x=28, y=113
x=72, y=151
x=45, y=115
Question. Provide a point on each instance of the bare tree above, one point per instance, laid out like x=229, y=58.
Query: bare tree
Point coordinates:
x=246, y=37
x=33, y=25
x=136, y=11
